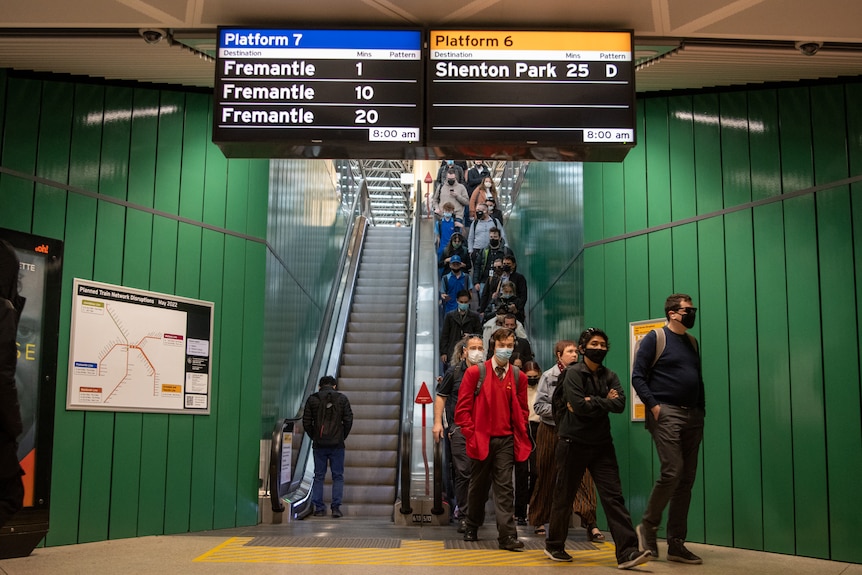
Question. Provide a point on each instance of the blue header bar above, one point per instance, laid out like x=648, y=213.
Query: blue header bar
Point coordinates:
x=320, y=39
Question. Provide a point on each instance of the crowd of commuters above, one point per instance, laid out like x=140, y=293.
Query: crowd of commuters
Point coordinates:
x=541, y=442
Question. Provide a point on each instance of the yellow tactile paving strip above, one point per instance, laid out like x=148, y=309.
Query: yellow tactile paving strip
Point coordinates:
x=410, y=553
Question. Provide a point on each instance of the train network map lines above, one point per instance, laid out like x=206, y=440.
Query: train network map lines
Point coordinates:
x=132, y=350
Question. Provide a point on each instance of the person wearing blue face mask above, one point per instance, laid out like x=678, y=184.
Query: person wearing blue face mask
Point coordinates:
x=492, y=413
x=456, y=324
x=447, y=225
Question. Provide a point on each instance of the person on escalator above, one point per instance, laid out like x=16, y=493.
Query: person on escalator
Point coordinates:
x=327, y=418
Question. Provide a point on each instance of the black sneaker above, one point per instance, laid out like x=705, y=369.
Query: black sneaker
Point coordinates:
x=320, y=512
x=646, y=539
x=336, y=512
x=511, y=543
x=521, y=521
x=676, y=551
x=635, y=558
x=462, y=525
x=558, y=555
x=470, y=534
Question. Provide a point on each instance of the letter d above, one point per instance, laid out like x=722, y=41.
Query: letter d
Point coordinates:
x=610, y=70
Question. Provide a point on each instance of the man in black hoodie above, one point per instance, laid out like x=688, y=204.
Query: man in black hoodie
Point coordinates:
x=11, y=305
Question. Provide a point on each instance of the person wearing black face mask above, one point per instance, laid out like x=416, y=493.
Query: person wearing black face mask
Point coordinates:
x=671, y=388
x=591, y=391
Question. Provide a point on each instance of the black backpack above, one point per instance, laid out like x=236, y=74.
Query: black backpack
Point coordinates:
x=330, y=415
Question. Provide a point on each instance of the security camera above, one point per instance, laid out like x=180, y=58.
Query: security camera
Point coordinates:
x=152, y=35
x=809, y=48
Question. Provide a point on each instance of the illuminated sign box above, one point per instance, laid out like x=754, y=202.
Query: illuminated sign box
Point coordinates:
x=551, y=95
x=318, y=93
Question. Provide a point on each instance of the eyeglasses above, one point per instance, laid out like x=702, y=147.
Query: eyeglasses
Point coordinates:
x=686, y=309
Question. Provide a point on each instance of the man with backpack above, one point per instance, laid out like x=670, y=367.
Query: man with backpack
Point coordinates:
x=468, y=352
x=667, y=377
x=327, y=418
x=492, y=413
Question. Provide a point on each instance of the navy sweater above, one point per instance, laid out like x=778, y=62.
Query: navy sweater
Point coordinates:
x=675, y=378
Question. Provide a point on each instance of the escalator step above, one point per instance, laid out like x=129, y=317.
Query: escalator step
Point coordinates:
x=373, y=427
x=368, y=372
x=371, y=458
x=376, y=412
x=359, y=327
x=384, y=384
x=371, y=359
x=373, y=348
x=375, y=397
x=383, y=337
x=389, y=317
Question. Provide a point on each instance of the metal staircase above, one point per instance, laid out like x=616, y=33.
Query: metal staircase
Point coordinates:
x=371, y=373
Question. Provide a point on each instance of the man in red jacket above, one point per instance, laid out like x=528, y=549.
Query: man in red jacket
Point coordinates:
x=492, y=414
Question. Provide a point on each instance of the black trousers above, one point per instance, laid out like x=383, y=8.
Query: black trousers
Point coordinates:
x=572, y=459
x=526, y=475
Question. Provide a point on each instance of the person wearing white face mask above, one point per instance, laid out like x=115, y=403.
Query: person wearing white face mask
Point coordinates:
x=492, y=413
x=468, y=352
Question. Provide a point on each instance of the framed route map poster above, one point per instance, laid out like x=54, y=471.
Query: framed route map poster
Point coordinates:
x=136, y=350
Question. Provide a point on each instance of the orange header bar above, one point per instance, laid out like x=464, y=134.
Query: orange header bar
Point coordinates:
x=532, y=40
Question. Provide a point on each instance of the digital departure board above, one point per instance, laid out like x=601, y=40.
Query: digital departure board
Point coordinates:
x=318, y=93
x=554, y=95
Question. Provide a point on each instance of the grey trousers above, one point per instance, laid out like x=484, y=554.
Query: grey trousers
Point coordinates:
x=677, y=434
x=494, y=470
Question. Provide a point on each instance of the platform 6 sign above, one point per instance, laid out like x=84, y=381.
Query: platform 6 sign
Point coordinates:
x=532, y=88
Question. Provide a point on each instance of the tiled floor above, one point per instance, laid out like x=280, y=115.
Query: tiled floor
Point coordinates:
x=353, y=546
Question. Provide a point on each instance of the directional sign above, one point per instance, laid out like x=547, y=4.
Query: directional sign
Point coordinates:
x=424, y=396
x=559, y=93
x=318, y=93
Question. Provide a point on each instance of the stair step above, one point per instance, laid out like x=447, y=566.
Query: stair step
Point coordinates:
x=357, y=384
x=370, y=359
x=367, y=372
x=382, y=337
x=375, y=397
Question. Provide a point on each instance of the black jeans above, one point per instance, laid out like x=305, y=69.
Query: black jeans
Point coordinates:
x=525, y=477
x=496, y=469
x=572, y=459
x=461, y=466
x=677, y=435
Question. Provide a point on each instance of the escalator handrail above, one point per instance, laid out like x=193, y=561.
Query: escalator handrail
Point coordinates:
x=406, y=439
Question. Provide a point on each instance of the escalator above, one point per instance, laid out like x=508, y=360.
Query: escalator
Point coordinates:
x=371, y=373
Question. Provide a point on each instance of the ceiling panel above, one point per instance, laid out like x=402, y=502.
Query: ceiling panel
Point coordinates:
x=99, y=38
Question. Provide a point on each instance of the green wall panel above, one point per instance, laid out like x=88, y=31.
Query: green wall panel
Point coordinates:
x=656, y=142
x=707, y=153
x=840, y=350
x=681, y=153
x=774, y=370
x=744, y=402
x=712, y=325
x=635, y=191
x=19, y=153
x=736, y=171
x=55, y=132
